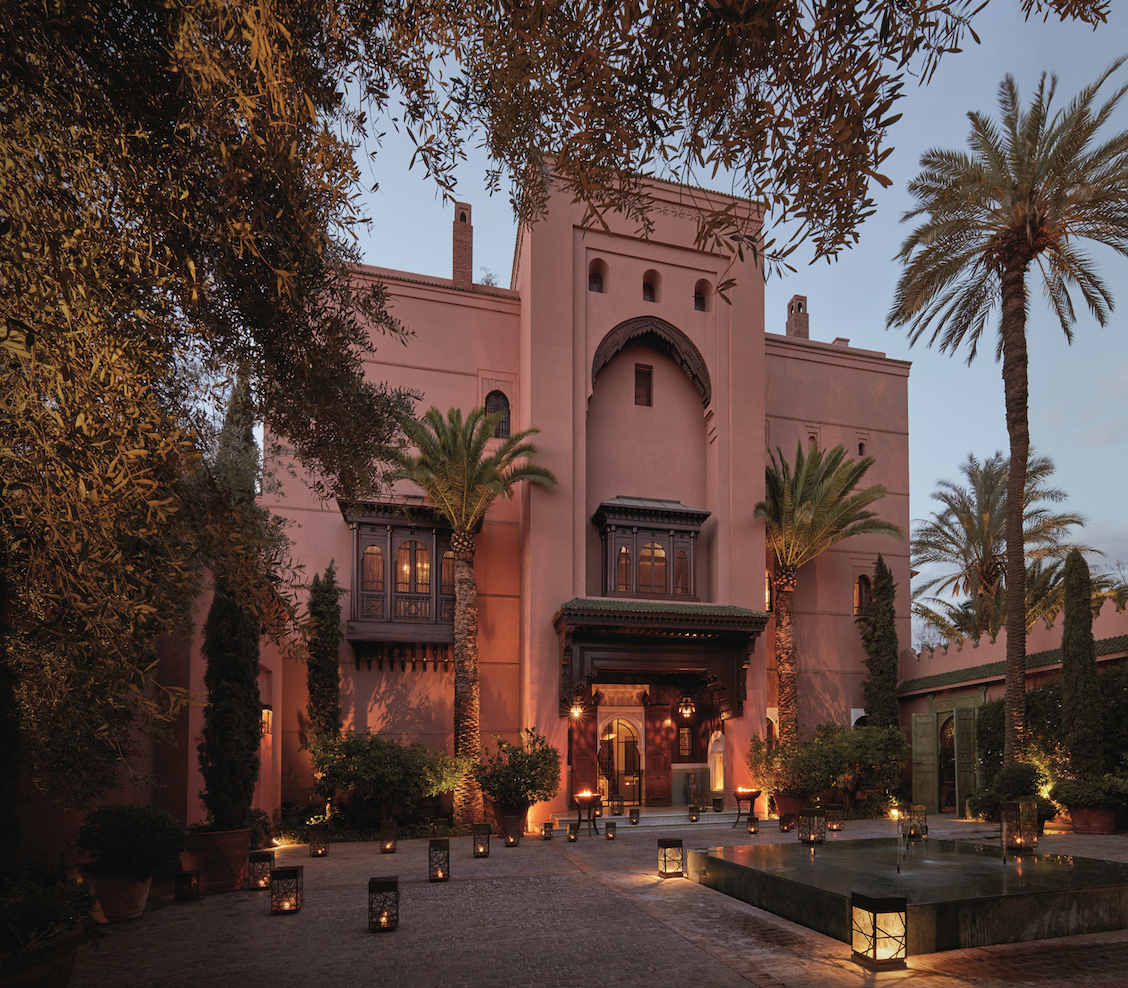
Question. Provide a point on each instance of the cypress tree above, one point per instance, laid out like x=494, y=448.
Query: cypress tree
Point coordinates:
x=229, y=751
x=323, y=672
x=1082, y=723
x=878, y=627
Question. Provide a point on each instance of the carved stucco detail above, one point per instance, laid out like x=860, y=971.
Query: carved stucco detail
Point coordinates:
x=678, y=346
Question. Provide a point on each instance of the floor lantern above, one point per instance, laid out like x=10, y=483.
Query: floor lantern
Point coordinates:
x=259, y=866
x=438, y=859
x=879, y=935
x=573, y=831
x=512, y=831
x=917, y=825
x=812, y=825
x=546, y=830
x=388, y=837
x=787, y=822
x=186, y=886
x=609, y=829
x=694, y=813
x=634, y=815
x=481, y=840
x=286, y=889
x=670, y=857
x=1020, y=823
x=753, y=825
x=718, y=804
x=383, y=904
x=318, y=840
x=835, y=817
x=615, y=805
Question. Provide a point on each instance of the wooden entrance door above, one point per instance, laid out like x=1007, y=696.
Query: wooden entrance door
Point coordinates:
x=659, y=737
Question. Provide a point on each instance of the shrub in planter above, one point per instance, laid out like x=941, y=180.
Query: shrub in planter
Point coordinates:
x=130, y=840
x=38, y=911
x=1106, y=792
x=519, y=775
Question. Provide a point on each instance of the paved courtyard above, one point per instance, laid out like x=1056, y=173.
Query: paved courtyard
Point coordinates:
x=553, y=914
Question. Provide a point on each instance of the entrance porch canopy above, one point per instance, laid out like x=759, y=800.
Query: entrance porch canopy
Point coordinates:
x=615, y=640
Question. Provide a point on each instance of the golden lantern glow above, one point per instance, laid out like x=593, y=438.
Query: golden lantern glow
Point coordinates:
x=880, y=931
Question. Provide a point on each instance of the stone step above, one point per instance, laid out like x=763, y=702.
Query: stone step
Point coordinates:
x=653, y=816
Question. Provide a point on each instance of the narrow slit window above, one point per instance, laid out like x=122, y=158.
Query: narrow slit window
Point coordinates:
x=623, y=571
x=681, y=573
x=595, y=282
x=446, y=577
x=648, y=293
x=643, y=378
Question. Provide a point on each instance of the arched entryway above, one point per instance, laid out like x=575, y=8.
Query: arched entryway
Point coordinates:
x=946, y=757
x=621, y=760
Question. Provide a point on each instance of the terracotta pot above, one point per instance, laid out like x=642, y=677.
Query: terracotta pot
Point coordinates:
x=220, y=857
x=120, y=897
x=501, y=812
x=47, y=968
x=789, y=803
x=1093, y=821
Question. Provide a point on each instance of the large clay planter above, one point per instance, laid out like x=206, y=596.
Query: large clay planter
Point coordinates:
x=47, y=968
x=501, y=812
x=789, y=803
x=120, y=897
x=1093, y=821
x=220, y=857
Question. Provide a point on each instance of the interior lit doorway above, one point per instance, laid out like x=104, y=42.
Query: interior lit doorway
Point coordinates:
x=620, y=761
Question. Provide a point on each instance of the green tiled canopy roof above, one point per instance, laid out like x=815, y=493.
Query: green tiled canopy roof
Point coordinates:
x=997, y=670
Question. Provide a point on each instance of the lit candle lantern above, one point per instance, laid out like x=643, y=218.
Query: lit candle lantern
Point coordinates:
x=879, y=937
x=438, y=857
x=670, y=857
x=286, y=893
x=383, y=904
x=388, y=837
x=481, y=840
x=259, y=866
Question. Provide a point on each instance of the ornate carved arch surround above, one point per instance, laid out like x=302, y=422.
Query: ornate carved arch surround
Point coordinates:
x=671, y=340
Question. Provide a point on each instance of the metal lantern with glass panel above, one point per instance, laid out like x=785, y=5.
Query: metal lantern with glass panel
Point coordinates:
x=634, y=815
x=546, y=830
x=383, y=904
x=812, y=825
x=481, y=840
x=573, y=831
x=186, y=886
x=388, y=837
x=259, y=866
x=615, y=806
x=1020, y=823
x=318, y=840
x=879, y=936
x=753, y=825
x=671, y=858
x=694, y=813
x=438, y=859
x=286, y=889
x=787, y=822
x=916, y=825
x=609, y=829
x=719, y=804
x=512, y=831
x=835, y=817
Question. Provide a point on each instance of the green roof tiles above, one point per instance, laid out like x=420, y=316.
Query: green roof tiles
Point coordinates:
x=632, y=605
x=997, y=670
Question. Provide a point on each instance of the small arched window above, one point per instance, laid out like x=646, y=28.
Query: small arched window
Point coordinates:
x=623, y=571
x=861, y=449
x=413, y=568
x=652, y=569
x=681, y=573
x=701, y=292
x=446, y=574
x=648, y=293
x=372, y=570
x=595, y=282
x=862, y=591
x=497, y=403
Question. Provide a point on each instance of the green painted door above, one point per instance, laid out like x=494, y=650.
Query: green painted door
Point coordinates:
x=924, y=760
x=965, y=756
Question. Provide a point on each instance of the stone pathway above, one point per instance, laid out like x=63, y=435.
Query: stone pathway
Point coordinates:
x=554, y=914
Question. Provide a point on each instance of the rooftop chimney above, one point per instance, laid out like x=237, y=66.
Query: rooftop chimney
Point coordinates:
x=797, y=320
x=463, y=246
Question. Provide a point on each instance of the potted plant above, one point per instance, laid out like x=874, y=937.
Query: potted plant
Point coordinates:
x=125, y=846
x=44, y=916
x=792, y=771
x=1092, y=802
x=519, y=775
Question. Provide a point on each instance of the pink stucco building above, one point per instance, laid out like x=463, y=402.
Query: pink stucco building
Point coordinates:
x=639, y=580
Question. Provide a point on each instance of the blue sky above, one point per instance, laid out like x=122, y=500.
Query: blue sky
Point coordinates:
x=1078, y=393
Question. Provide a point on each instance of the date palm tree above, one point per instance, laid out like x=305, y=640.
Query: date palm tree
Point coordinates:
x=805, y=513
x=967, y=537
x=1028, y=190
x=462, y=476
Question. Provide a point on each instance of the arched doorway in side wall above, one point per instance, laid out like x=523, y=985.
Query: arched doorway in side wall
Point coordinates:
x=947, y=765
x=620, y=760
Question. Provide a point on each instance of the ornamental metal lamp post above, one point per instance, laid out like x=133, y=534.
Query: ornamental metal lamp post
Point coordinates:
x=438, y=859
x=286, y=893
x=383, y=904
x=388, y=837
x=671, y=859
x=812, y=825
x=259, y=866
x=481, y=840
x=879, y=936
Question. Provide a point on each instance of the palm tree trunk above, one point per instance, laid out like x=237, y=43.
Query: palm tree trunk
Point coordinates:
x=1018, y=428
x=786, y=679
x=467, y=696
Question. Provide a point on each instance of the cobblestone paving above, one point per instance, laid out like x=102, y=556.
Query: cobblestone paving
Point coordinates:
x=558, y=915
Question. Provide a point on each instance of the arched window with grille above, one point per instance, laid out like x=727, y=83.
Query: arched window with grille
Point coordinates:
x=623, y=571
x=681, y=573
x=413, y=568
x=372, y=570
x=497, y=403
x=652, y=569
